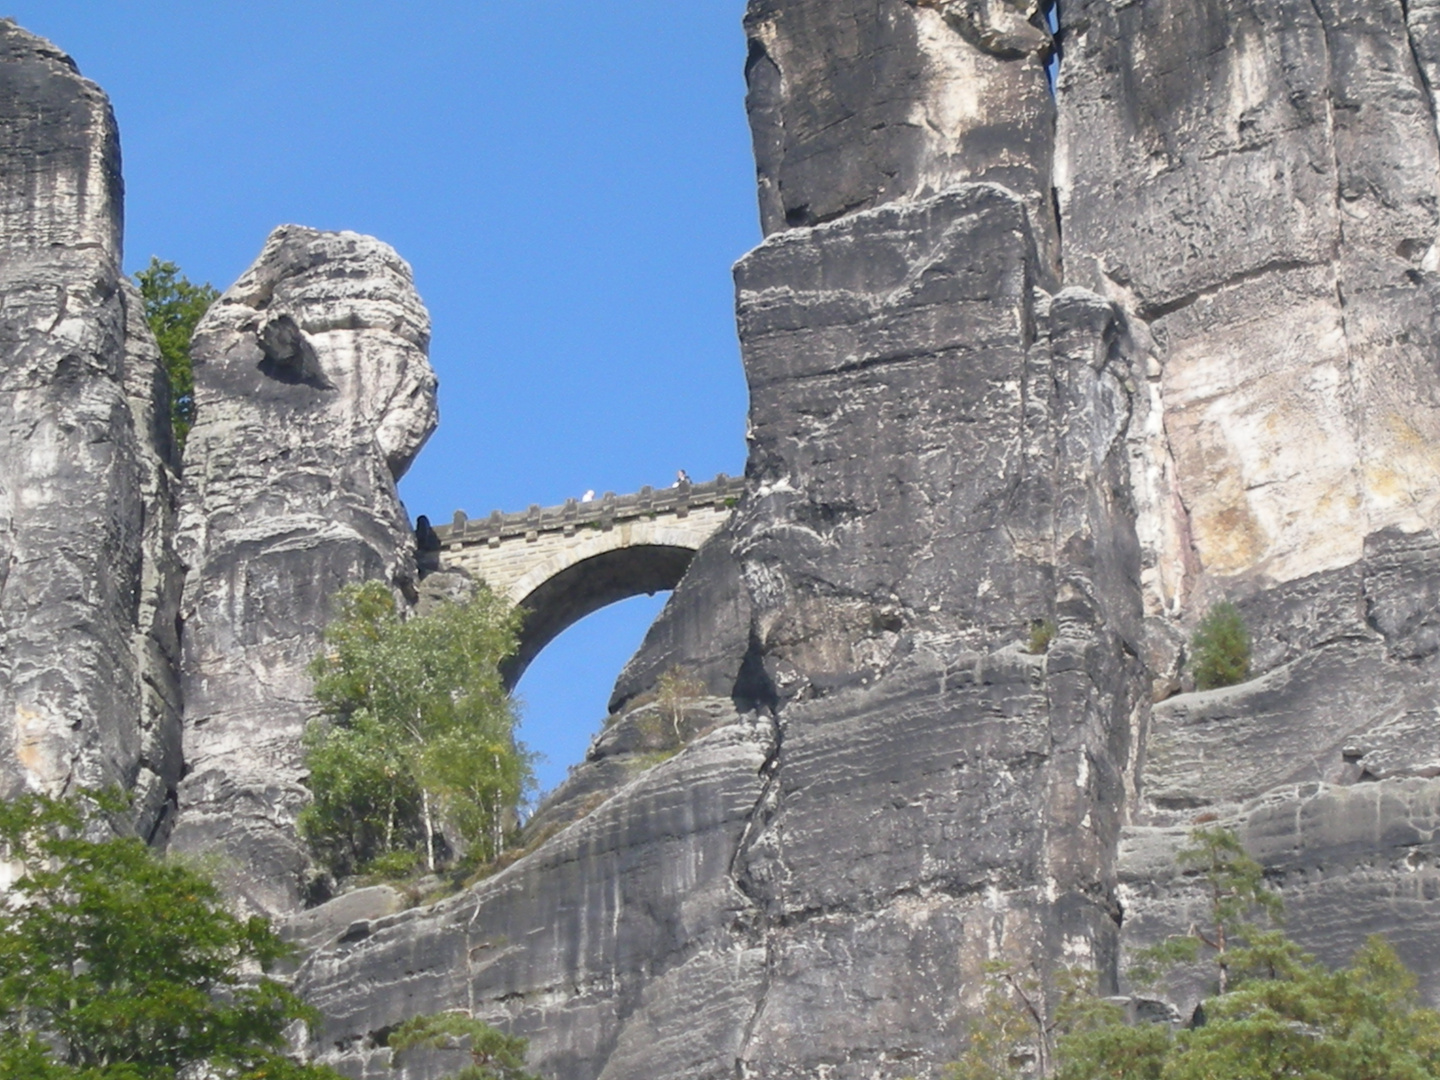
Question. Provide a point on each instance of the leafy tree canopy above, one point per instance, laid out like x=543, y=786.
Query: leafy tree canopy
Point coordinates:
x=418, y=732
x=173, y=307
x=118, y=965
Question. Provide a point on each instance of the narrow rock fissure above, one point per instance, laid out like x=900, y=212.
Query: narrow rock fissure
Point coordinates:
x=1351, y=413
x=1152, y=312
x=1420, y=71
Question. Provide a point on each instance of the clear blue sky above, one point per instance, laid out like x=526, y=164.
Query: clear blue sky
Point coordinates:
x=571, y=181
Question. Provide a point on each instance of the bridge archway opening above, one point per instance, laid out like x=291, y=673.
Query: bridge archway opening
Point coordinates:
x=563, y=599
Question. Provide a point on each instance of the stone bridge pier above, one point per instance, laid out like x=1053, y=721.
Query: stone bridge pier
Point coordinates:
x=562, y=563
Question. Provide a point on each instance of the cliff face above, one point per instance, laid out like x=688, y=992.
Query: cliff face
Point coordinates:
x=88, y=578
x=964, y=427
x=313, y=395
x=1033, y=382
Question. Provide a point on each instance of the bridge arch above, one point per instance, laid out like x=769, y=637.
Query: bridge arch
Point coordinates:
x=570, y=593
x=563, y=563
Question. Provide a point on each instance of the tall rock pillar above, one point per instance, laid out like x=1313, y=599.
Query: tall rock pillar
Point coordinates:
x=313, y=395
x=88, y=577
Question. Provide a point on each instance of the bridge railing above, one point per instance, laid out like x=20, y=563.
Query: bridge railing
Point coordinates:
x=602, y=513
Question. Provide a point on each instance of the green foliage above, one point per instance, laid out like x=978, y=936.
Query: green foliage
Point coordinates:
x=173, y=306
x=1020, y=1022
x=418, y=732
x=1287, y=1016
x=1221, y=648
x=118, y=965
x=1276, y=1012
x=1238, y=895
x=493, y=1054
x=1042, y=633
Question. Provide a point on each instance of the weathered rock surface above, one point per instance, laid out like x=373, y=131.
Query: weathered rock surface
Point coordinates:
x=593, y=945
x=1259, y=181
x=958, y=452
x=908, y=380
x=856, y=105
x=87, y=574
x=313, y=395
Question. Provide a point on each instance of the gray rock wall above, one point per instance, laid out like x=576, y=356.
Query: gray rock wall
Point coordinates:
x=1266, y=198
x=313, y=394
x=87, y=573
x=1263, y=200
x=962, y=430
x=938, y=463
x=856, y=105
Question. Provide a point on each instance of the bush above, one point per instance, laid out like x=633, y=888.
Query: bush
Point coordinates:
x=1042, y=633
x=1221, y=648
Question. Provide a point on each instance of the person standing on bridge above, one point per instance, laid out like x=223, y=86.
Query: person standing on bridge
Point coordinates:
x=681, y=477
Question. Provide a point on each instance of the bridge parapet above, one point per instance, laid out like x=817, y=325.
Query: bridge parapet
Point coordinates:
x=603, y=513
x=560, y=563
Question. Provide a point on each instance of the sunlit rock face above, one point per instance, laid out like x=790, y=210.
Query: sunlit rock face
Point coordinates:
x=943, y=714
x=903, y=791
x=1259, y=182
x=313, y=395
x=88, y=579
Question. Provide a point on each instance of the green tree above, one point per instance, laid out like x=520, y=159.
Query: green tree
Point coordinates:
x=1275, y=1012
x=417, y=729
x=1241, y=907
x=1221, y=647
x=173, y=307
x=116, y=964
x=493, y=1054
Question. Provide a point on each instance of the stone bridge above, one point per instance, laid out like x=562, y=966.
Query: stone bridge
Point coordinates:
x=563, y=562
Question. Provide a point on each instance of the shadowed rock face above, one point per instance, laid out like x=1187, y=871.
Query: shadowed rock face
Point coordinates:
x=947, y=449
x=883, y=786
x=313, y=395
x=88, y=579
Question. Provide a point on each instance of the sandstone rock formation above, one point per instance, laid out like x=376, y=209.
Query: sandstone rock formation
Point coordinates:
x=1267, y=200
x=855, y=105
x=1033, y=382
x=89, y=584
x=949, y=449
x=313, y=395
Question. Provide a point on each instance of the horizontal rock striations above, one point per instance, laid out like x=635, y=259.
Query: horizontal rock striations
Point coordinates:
x=938, y=466
x=88, y=578
x=1265, y=199
x=1034, y=381
x=313, y=395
